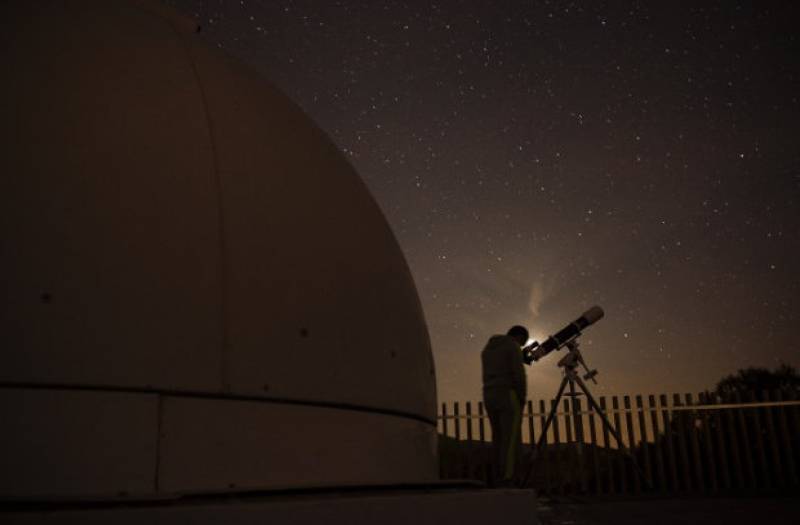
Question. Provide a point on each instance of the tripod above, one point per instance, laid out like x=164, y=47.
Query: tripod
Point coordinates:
x=570, y=363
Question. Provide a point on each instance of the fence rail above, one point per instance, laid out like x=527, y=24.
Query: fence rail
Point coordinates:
x=669, y=443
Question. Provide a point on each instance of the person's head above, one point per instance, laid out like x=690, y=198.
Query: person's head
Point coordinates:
x=519, y=334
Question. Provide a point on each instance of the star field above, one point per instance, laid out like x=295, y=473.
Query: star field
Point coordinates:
x=538, y=158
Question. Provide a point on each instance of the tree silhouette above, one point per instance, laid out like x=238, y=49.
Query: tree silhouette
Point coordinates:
x=784, y=378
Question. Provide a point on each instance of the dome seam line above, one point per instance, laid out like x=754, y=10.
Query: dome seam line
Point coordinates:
x=218, y=396
x=217, y=183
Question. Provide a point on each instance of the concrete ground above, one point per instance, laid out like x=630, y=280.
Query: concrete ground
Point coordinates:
x=703, y=511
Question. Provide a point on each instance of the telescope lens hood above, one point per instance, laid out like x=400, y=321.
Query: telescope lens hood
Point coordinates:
x=593, y=314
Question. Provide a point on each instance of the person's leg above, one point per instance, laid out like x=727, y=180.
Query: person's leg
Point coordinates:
x=513, y=436
x=516, y=435
x=497, y=406
x=498, y=451
x=505, y=438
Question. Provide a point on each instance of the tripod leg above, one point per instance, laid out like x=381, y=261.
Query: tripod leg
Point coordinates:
x=613, y=431
x=577, y=423
x=547, y=422
x=599, y=411
x=552, y=413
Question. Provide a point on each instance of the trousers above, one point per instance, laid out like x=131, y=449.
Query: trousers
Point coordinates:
x=505, y=415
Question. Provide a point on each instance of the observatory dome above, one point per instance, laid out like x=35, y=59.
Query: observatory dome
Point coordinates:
x=200, y=294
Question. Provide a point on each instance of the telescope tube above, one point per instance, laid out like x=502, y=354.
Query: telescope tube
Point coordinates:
x=568, y=333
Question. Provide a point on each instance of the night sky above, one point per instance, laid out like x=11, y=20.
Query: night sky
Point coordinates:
x=538, y=158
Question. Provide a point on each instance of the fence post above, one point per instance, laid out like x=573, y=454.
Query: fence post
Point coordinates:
x=568, y=457
x=598, y=486
x=469, y=422
x=607, y=446
x=793, y=418
x=786, y=442
x=707, y=442
x=444, y=474
x=673, y=471
x=738, y=414
x=749, y=453
x=643, y=442
x=481, y=430
x=557, y=474
x=486, y=452
x=777, y=467
x=456, y=421
x=469, y=466
x=719, y=420
x=793, y=415
x=755, y=425
x=626, y=403
x=577, y=412
x=679, y=417
x=657, y=440
x=568, y=421
x=544, y=455
x=694, y=445
x=623, y=475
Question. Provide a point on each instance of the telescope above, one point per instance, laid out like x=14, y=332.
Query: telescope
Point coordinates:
x=566, y=335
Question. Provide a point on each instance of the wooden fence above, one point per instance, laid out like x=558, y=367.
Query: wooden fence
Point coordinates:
x=670, y=444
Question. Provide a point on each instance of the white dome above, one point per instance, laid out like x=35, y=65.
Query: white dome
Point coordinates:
x=193, y=272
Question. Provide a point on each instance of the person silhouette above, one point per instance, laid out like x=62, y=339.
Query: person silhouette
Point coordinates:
x=504, y=392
